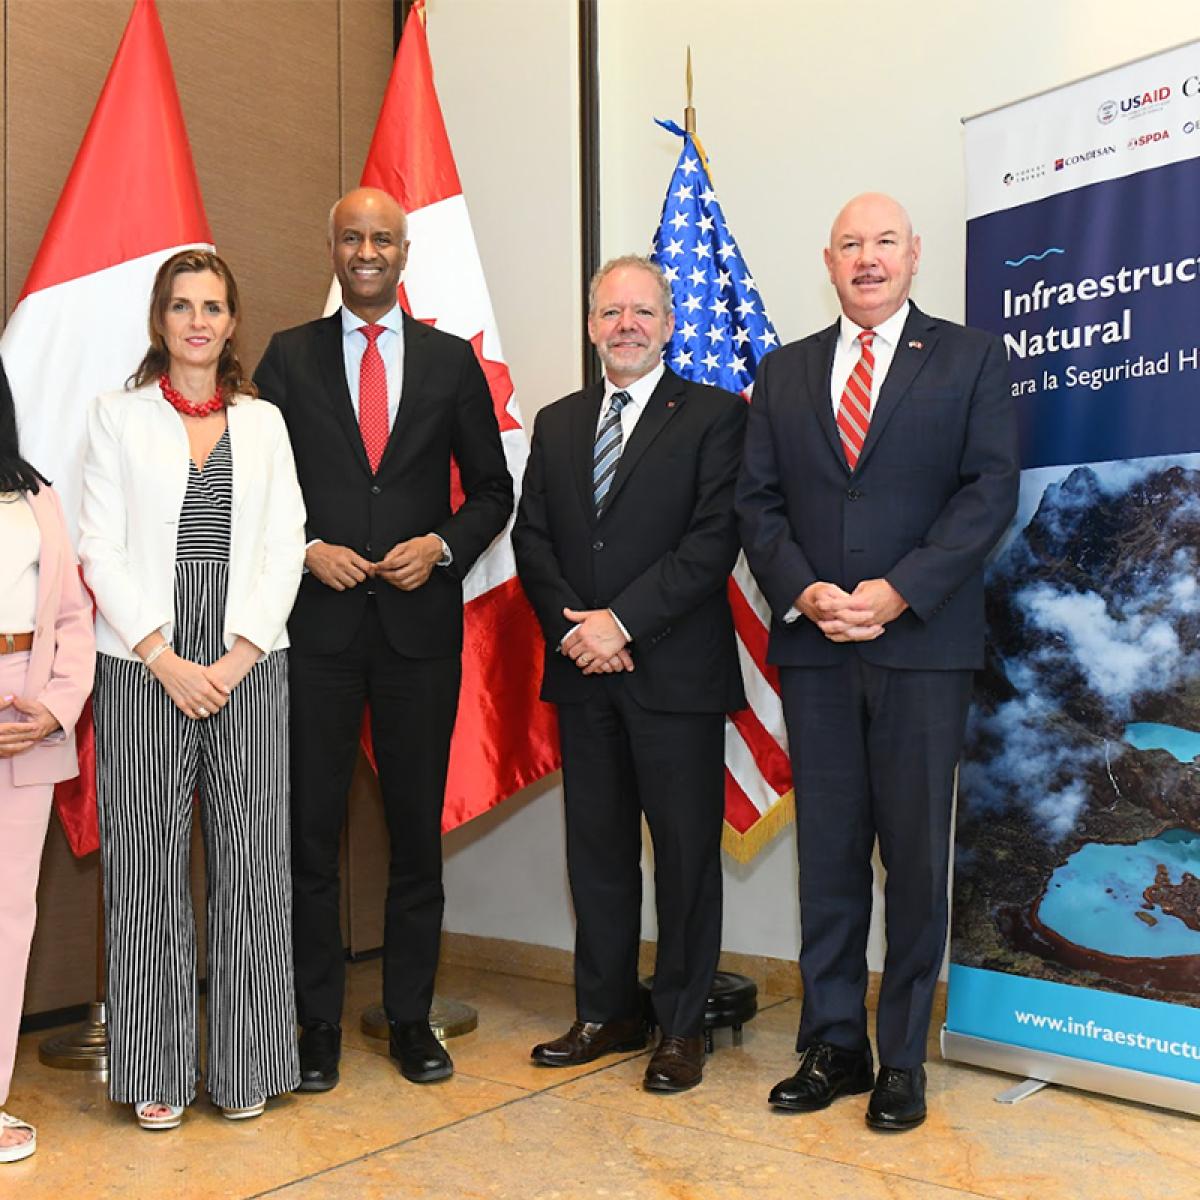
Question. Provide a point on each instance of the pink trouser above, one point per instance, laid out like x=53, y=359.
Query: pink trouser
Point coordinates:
x=24, y=813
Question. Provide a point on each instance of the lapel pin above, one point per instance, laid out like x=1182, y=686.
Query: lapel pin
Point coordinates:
x=915, y=345
x=670, y=403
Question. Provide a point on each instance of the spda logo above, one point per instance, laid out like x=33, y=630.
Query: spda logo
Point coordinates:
x=1147, y=139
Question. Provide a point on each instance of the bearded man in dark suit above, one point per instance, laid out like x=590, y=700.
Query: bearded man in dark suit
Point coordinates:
x=624, y=539
x=377, y=405
x=880, y=469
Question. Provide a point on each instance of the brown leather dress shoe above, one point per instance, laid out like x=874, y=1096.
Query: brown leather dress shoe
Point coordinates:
x=586, y=1041
x=677, y=1064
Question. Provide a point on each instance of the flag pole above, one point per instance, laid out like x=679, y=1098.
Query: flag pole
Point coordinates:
x=689, y=119
x=85, y=1048
x=689, y=113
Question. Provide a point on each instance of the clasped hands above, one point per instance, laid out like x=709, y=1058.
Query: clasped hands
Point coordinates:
x=858, y=616
x=407, y=565
x=16, y=736
x=200, y=691
x=596, y=644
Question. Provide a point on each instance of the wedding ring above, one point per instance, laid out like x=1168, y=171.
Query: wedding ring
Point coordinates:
x=202, y=710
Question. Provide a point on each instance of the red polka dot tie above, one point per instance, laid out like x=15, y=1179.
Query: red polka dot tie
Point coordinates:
x=373, y=398
x=854, y=408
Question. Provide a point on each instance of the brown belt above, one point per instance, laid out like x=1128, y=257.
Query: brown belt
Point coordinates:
x=11, y=643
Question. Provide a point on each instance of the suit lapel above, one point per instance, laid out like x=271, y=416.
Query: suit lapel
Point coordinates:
x=916, y=344
x=820, y=370
x=665, y=401
x=414, y=369
x=583, y=441
x=332, y=363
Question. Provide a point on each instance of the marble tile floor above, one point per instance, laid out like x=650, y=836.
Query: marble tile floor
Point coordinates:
x=502, y=1128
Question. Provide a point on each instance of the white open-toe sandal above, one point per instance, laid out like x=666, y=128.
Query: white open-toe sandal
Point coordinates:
x=11, y=1154
x=244, y=1114
x=168, y=1120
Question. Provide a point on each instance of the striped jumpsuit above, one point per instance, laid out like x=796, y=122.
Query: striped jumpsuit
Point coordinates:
x=152, y=760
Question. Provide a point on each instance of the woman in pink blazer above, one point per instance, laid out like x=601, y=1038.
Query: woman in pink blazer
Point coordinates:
x=47, y=657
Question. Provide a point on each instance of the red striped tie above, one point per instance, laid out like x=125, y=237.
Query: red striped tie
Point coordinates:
x=854, y=408
x=373, y=398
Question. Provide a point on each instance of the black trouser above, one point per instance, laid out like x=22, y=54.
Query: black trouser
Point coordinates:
x=873, y=755
x=619, y=761
x=413, y=703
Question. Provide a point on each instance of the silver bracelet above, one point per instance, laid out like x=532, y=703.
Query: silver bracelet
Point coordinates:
x=158, y=650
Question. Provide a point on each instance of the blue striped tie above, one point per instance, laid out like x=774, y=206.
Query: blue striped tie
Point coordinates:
x=608, y=449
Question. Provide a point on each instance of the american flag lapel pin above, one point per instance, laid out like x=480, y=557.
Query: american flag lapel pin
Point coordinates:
x=915, y=345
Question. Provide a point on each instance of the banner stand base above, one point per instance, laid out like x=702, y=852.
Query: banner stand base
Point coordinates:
x=1119, y=1082
x=1021, y=1091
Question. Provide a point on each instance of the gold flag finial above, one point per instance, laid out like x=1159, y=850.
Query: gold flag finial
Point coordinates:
x=689, y=113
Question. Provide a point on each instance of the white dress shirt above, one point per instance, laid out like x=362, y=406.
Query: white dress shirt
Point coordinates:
x=391, y=349
x=848, y=352
x=639, y=392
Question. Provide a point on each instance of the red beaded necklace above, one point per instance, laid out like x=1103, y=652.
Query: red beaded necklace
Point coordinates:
x=181, y=404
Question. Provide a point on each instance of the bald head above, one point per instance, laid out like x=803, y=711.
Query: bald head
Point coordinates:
x=370, y=196
x=368, y=242
x=872, y=258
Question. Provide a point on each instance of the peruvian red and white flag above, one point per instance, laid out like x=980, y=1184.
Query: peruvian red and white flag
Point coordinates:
x=131, y=199
x=505, y=737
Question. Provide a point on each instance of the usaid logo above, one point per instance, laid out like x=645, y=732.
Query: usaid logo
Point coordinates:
x=1138, y=104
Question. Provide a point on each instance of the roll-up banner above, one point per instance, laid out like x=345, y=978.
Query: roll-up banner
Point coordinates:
x=1075, y=953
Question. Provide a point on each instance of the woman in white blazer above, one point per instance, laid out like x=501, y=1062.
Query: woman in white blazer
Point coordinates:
x=192, y=541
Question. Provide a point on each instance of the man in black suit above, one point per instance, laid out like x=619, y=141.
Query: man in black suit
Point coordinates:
x=377, y=404
x=624, y=539
x=880, y=469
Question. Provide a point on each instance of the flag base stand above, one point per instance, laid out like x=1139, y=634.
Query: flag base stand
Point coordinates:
x=447, y=1019
x=84, y=1048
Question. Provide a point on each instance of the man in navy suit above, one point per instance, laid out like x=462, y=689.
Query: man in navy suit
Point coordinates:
x=880, y=468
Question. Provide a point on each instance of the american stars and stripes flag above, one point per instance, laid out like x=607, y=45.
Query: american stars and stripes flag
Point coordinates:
x=722, y=332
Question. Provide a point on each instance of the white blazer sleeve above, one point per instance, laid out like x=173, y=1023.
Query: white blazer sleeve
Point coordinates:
x=262, y=616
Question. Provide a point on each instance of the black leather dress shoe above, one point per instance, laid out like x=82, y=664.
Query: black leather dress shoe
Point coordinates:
x=825, y=1073
x=898, y=1101
x=586, y=1041
x=677, y=1064
x=422, y=1058
x=320, y=1052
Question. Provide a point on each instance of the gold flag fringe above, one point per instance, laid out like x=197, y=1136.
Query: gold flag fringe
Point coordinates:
x=744, y=846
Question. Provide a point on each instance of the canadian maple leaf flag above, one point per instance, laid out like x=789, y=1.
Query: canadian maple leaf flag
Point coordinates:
x=505, y=737
x=130, y=201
